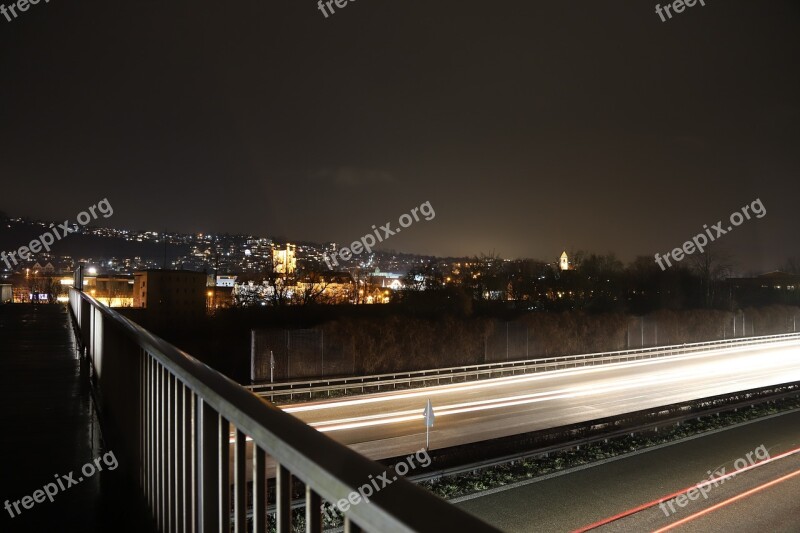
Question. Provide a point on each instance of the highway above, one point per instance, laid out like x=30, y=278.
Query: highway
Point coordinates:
x=391, y=424
x=625, y=493
x=733, y=498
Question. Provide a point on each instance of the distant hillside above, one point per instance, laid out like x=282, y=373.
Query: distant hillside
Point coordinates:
x=79, y=245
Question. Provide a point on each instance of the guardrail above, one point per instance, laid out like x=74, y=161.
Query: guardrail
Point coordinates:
x=491, y=370
x=169, y=418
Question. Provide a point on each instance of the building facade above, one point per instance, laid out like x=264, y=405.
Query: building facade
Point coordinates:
x=170, y=294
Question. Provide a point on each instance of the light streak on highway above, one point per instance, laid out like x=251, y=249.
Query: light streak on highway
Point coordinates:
x=481, y=405
x=715, y=481
x=494, y=382
x=729, y=501
x=389, y=424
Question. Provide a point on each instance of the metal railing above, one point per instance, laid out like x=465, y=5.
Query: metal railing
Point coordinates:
x=501, y=369
x=169, y=418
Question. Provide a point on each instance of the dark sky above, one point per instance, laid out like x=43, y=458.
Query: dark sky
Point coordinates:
x=530, y=126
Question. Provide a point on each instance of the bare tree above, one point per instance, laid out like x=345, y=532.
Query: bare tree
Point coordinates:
x=311, y=288
x=424, y=278
x=524, y=280
x=361, y=277
x=281, y=288
x=792, y=265
x=53, y=288
x=712, y=267
x=246, y=294
x=484, y=275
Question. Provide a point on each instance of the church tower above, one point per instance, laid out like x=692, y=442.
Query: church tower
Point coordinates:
x=564, y=261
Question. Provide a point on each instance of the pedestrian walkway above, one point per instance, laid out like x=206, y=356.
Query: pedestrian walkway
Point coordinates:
x=49, y=431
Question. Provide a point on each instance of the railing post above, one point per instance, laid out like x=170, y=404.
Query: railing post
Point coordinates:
x=259, y=490
x=163, y=449
x=158, y=449
x=283, y=503
x=152, y=435
x=144, y=470
x=313, y=511
x=178, y=483
x=207, y=469
x=169, y=451
x=190, y=459
x=224, y=464
x=240, y=483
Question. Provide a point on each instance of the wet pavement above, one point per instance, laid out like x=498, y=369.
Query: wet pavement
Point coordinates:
x=49, y=433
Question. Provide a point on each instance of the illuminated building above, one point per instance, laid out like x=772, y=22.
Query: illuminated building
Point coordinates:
x=284, y=261
x=329, y=287
x=6, y=293
x=563, y=263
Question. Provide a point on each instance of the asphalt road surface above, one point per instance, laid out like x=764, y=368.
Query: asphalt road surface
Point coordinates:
x=391, y=424
x=764, y=496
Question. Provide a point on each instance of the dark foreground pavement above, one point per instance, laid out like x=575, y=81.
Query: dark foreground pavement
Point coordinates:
x=574, y=500
x=48, y=429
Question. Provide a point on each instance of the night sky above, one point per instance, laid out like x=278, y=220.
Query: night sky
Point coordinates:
x=531, y=127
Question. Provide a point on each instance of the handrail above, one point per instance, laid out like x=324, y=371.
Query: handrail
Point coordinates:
x=478, y=370
x=182, y=419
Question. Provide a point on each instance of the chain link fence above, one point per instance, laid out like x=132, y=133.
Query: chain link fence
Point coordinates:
x=375, y=348
x=281, y=355
x=508, y=341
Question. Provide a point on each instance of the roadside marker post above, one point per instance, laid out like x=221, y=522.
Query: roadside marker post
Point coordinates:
x=429, y=417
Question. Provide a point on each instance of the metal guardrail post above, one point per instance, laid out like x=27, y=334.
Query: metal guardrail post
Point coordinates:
x=240, y=482
x=166, y=450
x=162, y=439
x=207, y=469
x=223, y=465
x=283, y=502
x=190, y=462
x=179, y=443
x=313, y=514
x=259, y=490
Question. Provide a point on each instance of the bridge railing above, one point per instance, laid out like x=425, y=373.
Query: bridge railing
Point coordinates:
x=489, y=370
x=170, y=419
